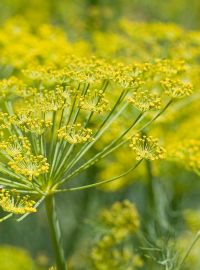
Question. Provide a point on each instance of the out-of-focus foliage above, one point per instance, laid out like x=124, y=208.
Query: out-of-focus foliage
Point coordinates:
x=87, y=15
x=145, y=41
x=112, y=250
x=22, y=45
x=16, y=259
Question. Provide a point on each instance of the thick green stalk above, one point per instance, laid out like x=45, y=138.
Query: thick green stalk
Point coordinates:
x=55, y=232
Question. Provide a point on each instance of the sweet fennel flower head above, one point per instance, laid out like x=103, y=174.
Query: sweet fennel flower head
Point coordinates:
x=52, y=117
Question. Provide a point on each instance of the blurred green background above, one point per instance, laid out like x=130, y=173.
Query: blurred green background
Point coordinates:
x=80, y=16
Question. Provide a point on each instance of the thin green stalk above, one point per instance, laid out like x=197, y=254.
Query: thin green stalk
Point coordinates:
x=87, y=164
x=58, y=170
x=9, y=108
x=6, y=217
x=42, y=148
x=53, y=131
x=105, y=151
x=105, y=84
x=36, y=206
x=99, y=183
x=88, y=146
x=66, y=155
x=26, y=192
x=103, y=127
x=57, y=159
x=156, y=116
x=20, y=178
x=196, y=238
x=55, y=232
x=150, y=186
x=34, y=143
x=12, y=183
x=57, y=147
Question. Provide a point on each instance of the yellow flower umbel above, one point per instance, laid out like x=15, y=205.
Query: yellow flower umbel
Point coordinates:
x=74, y=134
x=176, y=89
x=29, y=122
x=146, y=147
x=144, y=101
x=94, y=101
x=15, y=146
x=29, y=165
x=14, y=203
x=49, y=100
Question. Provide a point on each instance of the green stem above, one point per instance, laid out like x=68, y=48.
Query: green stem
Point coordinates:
x=196, y=238
x=55, y=232
x=6, y=217
x=150, y=186
x=99, y=183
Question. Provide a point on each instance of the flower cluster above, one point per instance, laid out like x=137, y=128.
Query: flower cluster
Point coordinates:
x=75, y=133
x=188, y=153
x=94, y=101
x=11, y=202
x=29, y=122
x=176, y=88
x=16, y=146
x=111, y=252
x=145, y=101
x=122, y=218
x=29, y=165
x=146, y=147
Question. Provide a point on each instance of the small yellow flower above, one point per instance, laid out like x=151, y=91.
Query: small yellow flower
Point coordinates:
x=144, y=101
x=29, y=165
x=13, y=203
x=15, y=146
x=75, y=133
x=176, y=89
x=94, y=101
x=5, y=120
x=146, y=147
x=28, y=122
